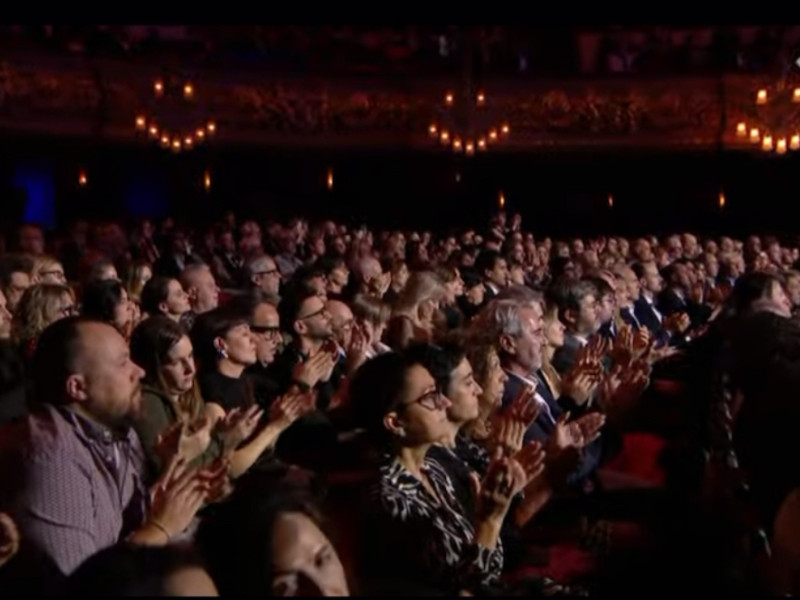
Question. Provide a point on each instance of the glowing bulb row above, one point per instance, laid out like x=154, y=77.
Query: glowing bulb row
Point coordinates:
x=762, y=96
x=458, y=145
x=188, y=89
x=176, y=142
x=768, y=143
x=449, y=99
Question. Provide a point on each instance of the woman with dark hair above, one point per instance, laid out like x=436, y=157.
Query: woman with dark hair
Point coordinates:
x=107, y=301
x=281, y=549
x=133, y=571
x=416, y=529
x=164, y=296
x=172, y=404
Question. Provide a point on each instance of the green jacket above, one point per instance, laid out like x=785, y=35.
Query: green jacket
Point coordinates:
x=157, y=415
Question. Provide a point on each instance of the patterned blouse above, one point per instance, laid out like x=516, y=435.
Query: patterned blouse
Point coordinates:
x=431, y=540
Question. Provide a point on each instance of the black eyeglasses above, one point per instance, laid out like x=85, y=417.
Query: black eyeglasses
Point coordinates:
x=431, y=400
x=270, y=272
x=321, y=311
x=268, y=331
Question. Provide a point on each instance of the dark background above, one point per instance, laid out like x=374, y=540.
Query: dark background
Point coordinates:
x=558, y=193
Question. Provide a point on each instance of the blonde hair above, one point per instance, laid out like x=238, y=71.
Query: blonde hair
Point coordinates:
x=134, y=283
x=421, y=287
x=41, y=264
x=30, y=318
x=368, y=308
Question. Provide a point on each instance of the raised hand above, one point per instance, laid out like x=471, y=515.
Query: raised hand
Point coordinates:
x=184, y=439
x=357, y=351
x=9, y=538
x=532, y=460
x=622, y=348
x=677, y=323
x=176, y=497
x=524, y=408
x=594, y=350
x=641, y=342
x=217, y=479
x=589, y=426
x=581, y=382
x=498, y=487
x=290, y=407
x=318, y=367
x=566, y=435
x=507, y=435
x=237, y=426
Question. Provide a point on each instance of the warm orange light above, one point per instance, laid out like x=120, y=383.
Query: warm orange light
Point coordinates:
x=796, y=95
x=481, y=98
x=141, y=122
x=493, y=135
x=501, y=200
x=211, y=127
x=794, y=143
x=207, y=180
x=457, y=145
x=200, y=133
x=153, y=131
x=82, y=179
x=188, y=90
x=158, y=87
x=755, y=135
x=469, y=148
x=482, y=144
x=433, y=130
x=444, y=136
x=610, y=201
x=761, y=96
x=165, y=140
x=766, y=143
x=741, y=129
x=448, y=98
x=780, y=147
x=721, y=199
x=505, y=129
x=188, y=141
x=330, y=179
x=176, y=145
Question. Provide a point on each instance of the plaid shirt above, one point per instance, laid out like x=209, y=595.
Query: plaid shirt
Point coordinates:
x=72, y=486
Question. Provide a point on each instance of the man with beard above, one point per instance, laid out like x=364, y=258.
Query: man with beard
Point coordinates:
x=73, y=469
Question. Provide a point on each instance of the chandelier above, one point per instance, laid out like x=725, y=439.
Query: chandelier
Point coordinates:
x=773, y=122
x=172, y=117
x=464, y=123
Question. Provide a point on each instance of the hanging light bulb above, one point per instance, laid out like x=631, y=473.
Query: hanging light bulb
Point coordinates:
x=721, y=199
x=610, y=201
x=329, y=179
x=158, y=87
x=207, y=180
x=82, y=179
x=153, y=131
x=141, y=122
x=188, y=91
x=501, y=200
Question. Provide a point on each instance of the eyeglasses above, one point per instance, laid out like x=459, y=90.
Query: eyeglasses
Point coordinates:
x=321, y=311
x=57, y=274
x=270, y=272
x=431, y=400
x=267, y=331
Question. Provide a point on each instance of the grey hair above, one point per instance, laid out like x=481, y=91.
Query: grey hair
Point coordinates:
x=258, y=263
x=521, y=294
x=499, y=317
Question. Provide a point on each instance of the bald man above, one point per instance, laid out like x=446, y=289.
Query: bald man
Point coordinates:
x=342, y=322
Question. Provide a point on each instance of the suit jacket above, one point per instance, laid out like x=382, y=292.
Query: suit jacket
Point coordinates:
x=629, y=317
x=608, y=330
x=647, y=318
x=544, y=426
x=564, y=357
x=489, y=293
x=669, y=303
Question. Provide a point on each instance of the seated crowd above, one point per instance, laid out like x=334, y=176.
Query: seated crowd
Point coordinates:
x=328, y=410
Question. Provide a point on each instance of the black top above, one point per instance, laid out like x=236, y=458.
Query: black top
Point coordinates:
x=228, y=392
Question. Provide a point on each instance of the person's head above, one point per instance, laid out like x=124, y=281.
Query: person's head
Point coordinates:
x=15, y=277
x=553, y=327
x=47, y=269
x=342, y=321
x=85, y=365
x=221, y=336
x=5, y=318
x=265, y=324
x=337, y=273
x=421, y=296
x=107, y=300
x=264, y=274
x=102, y=270
x=753, y=287
x=650, y=280
x=164, y=296
x=578, y=306
x=515, y=330
x=606, y=299
x=305, y=316
x=711, y=263
x=139, y=274
x=129, y=570
x=474, y=290
x=31, y=239
x=198, y=281
x=453, y=283
x=493, y=267
x=311, y=278
x=372, y=315
x=397, y=401
x=488, y=373
x=163, y=349
x=677, y=276
x=281, y=547
x=40, y=306
x=454, y=377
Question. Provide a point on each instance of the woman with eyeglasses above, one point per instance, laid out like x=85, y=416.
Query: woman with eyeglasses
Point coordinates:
x=47, y=269
x=416, y=531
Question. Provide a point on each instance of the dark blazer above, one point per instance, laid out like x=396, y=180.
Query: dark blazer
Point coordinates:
x=647, y=317
x=564, y=357
x=489, y=293
x=629, y=317
x=608, y=330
